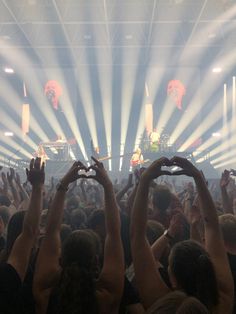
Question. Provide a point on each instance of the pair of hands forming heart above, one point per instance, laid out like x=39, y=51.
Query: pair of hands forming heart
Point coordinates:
x=187, y=168
x=79, y=170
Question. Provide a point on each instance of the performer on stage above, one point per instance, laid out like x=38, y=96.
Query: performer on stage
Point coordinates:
x=41, y=154
x=154, y=137
x=154, y=140
x=137, y=158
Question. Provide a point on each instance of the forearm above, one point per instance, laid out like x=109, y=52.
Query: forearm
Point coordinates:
x=121, y=193
x=159, y=247
x=139, y=210
x=227, y=206
x=207, y=205
x=56, y=213
x=194, y=233
x=112, y=215
x=187, y=206
x=25, y=195
x=131, y=198
x=32, y=217
x=15, y=194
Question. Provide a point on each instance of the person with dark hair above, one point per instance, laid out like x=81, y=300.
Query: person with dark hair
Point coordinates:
x=183, y=270
x=65, y=232
x=78, y=219
x=188, y=259
x=80, y=269
x=96, y=222
x=14, y=229
x=178, y=302
x=161, y=199
x=80, y=288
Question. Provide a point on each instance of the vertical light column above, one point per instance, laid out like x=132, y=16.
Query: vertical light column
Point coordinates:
x=122, y=147
x=225, y=122
x=149, y=118
x=25, y=114
x=233, y=115
x=109, y=160
x=148, y=112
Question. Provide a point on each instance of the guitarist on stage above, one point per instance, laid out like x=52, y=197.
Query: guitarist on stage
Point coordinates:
x=137, y=158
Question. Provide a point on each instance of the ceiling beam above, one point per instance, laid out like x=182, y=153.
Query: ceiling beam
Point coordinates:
x=197, y=22
x=62, y=24
x=21, y=28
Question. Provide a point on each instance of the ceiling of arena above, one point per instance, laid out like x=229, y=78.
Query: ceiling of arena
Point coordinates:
x=78, y=32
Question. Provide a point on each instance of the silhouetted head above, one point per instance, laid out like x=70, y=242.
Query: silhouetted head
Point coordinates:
x=14, y=229
x=78, y=219
x=82, y=247
x=161, y=197
x=178, y=303
x=228, y=227
x=191, y=270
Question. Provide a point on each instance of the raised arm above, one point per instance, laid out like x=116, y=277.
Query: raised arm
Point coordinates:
x=162, y=243
x=47, y=266
x=213, y=237
x=112, y=275
x=20, y=254
x=149, y=282
x=14, y=191
x=22, y=190
x=125, y=188
x=224, y=181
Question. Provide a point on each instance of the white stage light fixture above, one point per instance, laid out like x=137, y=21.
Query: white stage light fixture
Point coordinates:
x=9, y=70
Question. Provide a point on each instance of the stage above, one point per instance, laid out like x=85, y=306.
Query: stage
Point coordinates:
x=56, y=168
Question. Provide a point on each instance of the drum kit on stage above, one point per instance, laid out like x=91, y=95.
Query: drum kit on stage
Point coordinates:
x=162, y=145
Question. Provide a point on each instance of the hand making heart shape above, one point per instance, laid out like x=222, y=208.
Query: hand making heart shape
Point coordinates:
x=155, y=169
x=80, y=171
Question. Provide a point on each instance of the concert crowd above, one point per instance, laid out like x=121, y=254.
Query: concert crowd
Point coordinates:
x=153, y=243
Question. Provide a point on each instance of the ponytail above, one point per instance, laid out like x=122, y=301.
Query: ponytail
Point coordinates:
x=194, y=272
x=77, y=291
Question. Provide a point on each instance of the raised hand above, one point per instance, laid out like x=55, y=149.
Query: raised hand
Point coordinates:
x=73, y=173
x=154, y=170
x=194, y=215
x=188, y=168
x=225, y=179
x=11, y=176
x=35, y=173
x=4, y=179
x=17, y=179
x=101, y=175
